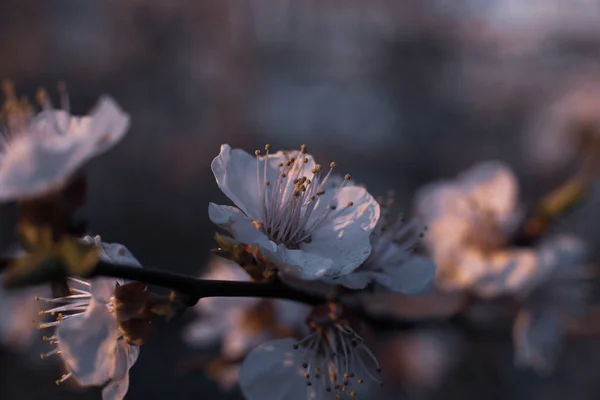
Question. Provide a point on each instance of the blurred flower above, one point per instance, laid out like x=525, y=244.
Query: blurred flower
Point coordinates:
x=40, y=153
x=88, y=337
x=17, y=310
x=239, y=323
x=297, y=216
x=562, y=293
x=392, y=263
x=468, y=221
x=421, y=359
x=331, y=362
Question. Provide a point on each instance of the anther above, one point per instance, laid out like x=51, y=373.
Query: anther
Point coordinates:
x=42, y=97
x=320, y=192
x=359, y=380
x=62, y=379
x=305, y=160
x=304, y=365
x=257, y=153
x=267, y=183
x=303, y=149
x=350, y=204
x=267, y=147
x=316, y=169
x=332, y=164
x=347, y=177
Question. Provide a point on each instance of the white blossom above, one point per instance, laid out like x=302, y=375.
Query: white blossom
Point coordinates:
x=308, y=225
x=87, y=337
x=468, y=222
x=331, y=362
x=40, y=153
x=239, y=324
x=392, y=263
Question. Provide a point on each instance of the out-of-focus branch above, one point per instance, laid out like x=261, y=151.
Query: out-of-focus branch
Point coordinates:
x=553, y=206
x=564, y=198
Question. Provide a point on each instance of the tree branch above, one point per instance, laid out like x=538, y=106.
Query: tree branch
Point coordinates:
x=200, y=288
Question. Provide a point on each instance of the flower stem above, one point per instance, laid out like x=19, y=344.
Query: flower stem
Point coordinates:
x=200, y=288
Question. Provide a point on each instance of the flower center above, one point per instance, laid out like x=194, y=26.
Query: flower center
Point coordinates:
x=334, y=355
x=18, y=114
x=291, y=204
x=486, y=232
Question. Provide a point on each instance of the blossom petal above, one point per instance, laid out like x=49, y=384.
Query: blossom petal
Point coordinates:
x=44, y=159
x=508, y=272
x=126, y=356
x=411, y=277
x=537, y=335
x=493, y=186
x=364, y=211
x=87, y=343
x=335, y=250
x=108, y=125
x=31, y=168
x=446, y=212
x=17, y=309
x=118, y=254
x=235, y=222
x=236, y=175
x=274, y=371
x=103, y=289
x=358, y=279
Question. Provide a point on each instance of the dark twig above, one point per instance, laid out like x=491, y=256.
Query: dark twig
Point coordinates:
x=200, y=288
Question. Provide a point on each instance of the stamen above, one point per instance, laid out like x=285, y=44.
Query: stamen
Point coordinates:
x=336, y=347
x=50, y=353
x=63, y=379
x=80, y=281
x=290, y=199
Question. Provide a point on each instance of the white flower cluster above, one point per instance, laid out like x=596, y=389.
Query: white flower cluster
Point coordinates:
x=312, y=227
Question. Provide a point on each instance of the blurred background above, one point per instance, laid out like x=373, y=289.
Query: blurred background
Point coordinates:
x=397, y=92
